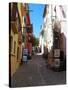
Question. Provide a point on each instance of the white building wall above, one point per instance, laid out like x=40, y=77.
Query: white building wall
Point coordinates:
x=49, y=29
x=40, y=39
x=60, y=17
x=54, y=12
x=41, y=43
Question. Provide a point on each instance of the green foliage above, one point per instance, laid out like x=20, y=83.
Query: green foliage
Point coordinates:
x=35, y=41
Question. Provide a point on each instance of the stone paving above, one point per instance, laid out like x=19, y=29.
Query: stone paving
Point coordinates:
x=35, y=73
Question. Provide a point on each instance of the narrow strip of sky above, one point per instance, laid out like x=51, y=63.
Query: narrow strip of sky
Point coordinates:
x=36, y=17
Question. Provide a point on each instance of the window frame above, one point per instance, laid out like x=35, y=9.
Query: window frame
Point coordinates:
x=14, y=47
x=11, y=48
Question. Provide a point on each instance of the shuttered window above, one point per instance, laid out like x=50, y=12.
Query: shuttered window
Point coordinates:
x=11, y=47
x=14, y=46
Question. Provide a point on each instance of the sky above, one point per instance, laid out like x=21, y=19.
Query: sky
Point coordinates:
x=36, y=17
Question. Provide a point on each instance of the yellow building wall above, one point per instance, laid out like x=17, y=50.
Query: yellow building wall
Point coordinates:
x=22, y=13
x=14, y=62
x=19, y=10
x=14, y=65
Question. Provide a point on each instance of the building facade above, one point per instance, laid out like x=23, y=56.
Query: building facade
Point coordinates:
x=20, y=33
x=54, y=27
x=16, y=22
x=28, y=31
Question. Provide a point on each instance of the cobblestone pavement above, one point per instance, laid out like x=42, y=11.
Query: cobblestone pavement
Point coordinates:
x=35, y=73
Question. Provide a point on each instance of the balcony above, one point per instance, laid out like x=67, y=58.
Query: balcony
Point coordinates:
x=30, y=38
x=14, y=27
x=29, y=28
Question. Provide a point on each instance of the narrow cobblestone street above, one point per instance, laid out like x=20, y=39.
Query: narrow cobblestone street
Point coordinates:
x=35, y=73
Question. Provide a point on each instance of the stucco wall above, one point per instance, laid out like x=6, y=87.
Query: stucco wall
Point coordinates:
x=14, y=62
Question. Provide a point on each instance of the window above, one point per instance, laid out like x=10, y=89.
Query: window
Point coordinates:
x=17, y=20
x=14, y=46
x=17, y=53
x=23, y=38
x=11, y=5
x=56, y=42
x=11, y=44
x=24, y=19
